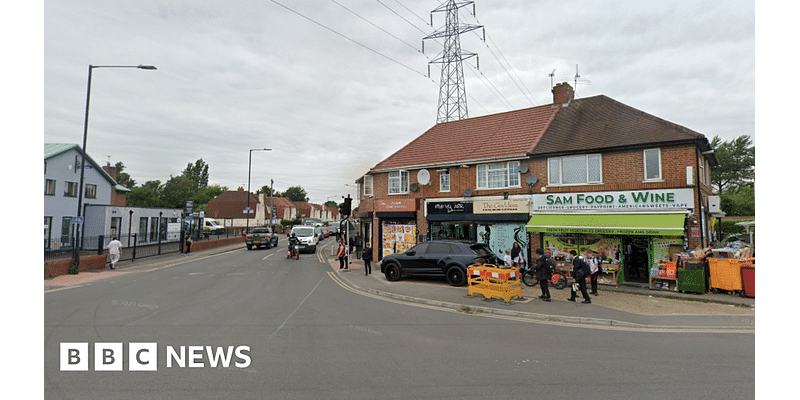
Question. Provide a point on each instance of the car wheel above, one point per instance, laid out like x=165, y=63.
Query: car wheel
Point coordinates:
x=392, y=273
x=249, y=247
x=456, y=276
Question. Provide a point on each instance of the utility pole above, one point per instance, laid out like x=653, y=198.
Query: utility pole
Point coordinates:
x=452, y=92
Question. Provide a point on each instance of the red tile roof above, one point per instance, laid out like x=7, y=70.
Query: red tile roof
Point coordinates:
x=230, y=204
x=599, y=122
x=497, y=136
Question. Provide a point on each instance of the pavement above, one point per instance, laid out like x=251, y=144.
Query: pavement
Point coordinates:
x=624, y=307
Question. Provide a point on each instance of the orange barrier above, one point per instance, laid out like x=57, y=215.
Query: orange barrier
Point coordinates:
x=492, y=281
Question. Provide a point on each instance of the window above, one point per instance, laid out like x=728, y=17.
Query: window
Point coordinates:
x=367, y=185
x=444, y=181
x=49, y=187
x=498, y=176
x=398, y=182
x=582, y=169
x=652, y=164
x=71, y=189
x=142, y=230
x=91, y=192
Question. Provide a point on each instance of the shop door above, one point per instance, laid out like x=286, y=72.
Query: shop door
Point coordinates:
x=636, y=258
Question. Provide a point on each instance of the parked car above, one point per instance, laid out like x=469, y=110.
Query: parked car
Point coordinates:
x=308, y=237
x=319, y=233
x=261, y=236
x=437, y=258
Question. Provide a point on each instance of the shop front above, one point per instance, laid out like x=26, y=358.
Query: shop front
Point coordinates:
x=631, y=230
x=499, y=223
x=396, y=226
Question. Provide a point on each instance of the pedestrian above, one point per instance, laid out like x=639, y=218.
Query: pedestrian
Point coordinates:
x=359, y=242
x=543, y=273
x=580, y=270
x=341, y=253
x=367, y=257
x=189, y=242
x=114, y=251
x=507, y=260
x=596, y=269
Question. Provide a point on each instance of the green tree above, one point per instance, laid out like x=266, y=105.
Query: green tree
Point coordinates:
x=177, y=189
x=198, y=173
x=147, y=195
x=206, y=194
x=741, y=202
x=331, y=204
x=737, y=160
x=296, y=193
x=122, y=177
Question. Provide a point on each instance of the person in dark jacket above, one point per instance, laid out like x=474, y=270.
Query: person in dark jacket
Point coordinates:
x=367, y=257
x=542, y=273
x=580, y=271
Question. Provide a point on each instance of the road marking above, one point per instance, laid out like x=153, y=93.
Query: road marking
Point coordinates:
x=268, y=256
x=551, y=320
x=298, y=307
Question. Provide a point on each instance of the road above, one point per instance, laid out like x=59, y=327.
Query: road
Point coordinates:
x=307, y=337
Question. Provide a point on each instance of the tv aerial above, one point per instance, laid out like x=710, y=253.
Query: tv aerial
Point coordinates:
x=577, y=79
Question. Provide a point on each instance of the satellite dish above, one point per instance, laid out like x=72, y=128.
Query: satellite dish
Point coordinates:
x=522, y=169
x=414, y=187
x=468, y=193
x=532, y=180
x=423, y=177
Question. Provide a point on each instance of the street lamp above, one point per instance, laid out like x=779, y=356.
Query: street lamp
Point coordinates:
x=249, y=167
x=76, y=257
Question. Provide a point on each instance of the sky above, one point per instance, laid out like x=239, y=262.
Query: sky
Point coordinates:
x=335, y=86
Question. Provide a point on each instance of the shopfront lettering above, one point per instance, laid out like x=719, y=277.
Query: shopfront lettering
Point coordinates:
x=628, y=200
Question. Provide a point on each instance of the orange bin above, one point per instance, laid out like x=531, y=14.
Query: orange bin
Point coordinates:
x=726, y=273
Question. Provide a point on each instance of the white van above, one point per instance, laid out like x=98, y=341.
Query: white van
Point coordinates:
x=307, y=236
x=212, y=226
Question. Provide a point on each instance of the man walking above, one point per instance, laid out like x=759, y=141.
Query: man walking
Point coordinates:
x=580, y=270
x=114, y=251
x=542, y=273
x=359, y=242
x=367, y=257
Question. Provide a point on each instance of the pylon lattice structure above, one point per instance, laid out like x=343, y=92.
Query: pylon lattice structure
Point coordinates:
x=452, y=91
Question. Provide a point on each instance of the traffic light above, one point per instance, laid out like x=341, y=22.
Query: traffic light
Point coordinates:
x=345, y=208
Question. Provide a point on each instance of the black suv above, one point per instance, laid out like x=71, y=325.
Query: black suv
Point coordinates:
x=437, y=258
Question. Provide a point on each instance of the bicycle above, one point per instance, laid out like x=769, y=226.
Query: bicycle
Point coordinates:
x=557, y=279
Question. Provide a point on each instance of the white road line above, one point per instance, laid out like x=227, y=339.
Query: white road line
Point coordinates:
x=268, y=256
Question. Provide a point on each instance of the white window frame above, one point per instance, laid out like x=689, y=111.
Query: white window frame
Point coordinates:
x=444, y=181
x=551, y=169
x=367, y=185
x=50, y=187
x=660, y=165
x=483, y=172
x=402, y=182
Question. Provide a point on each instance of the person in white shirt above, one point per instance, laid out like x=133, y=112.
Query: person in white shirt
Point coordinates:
x=114, y=250
x=507, y=259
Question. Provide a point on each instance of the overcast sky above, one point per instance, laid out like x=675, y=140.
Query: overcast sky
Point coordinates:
x=334, y=87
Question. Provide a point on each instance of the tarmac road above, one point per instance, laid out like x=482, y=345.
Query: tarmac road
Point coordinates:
x=316, y=333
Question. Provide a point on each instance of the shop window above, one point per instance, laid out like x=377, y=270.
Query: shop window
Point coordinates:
x=575, y=170
x=49, y=187
x=398, y=182
x=90, y=192
x=652, y=164
x=71, y=189
x=367, y=185
x=444, y=181
x=498, y=176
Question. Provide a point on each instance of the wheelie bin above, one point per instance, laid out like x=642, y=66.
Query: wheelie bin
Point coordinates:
x=692, y=277
x=749, y=280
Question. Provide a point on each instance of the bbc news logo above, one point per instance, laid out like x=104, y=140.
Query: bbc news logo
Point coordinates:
x=143, y=356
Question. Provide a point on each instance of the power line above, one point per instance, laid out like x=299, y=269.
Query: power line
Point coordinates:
x=383, y=30
x=348, y=38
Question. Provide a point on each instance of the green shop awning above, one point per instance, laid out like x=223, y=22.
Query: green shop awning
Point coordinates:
x=663, y=224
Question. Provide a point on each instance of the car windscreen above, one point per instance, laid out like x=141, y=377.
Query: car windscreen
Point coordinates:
x=303, y=231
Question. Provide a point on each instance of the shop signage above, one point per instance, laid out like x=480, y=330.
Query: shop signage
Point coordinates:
x=398, y=205
x=450, y=207
x=511, y=206
x=665, y=199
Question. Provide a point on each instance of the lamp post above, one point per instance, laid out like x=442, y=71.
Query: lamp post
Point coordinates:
x=76, y=256
x=249, y=167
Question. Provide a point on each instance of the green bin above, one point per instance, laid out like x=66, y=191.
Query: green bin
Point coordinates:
x=692, y=278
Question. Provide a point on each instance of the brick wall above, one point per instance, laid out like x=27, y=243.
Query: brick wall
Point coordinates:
x=62, y=267
x=622, y=170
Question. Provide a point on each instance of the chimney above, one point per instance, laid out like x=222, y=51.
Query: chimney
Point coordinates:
x=562, y=93
x=111, y=171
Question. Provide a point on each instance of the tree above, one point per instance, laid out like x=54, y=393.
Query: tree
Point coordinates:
x=331, y=204
x=147, y=195
x=177, y=189
x=197, y=173
x=205, y=195
x=296, y=193
x=122, y=177
x=737, y=160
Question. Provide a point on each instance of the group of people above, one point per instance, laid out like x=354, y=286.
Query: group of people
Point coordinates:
x=363, y=251
x=587, y=265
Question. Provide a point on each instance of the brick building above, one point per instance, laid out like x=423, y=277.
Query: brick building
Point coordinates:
x=589, y=172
